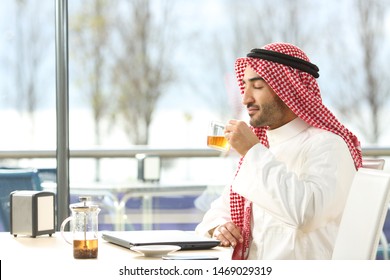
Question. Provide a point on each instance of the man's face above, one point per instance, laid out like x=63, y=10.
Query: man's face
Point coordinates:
x=264, y=107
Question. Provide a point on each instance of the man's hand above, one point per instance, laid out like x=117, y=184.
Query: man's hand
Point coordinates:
x=240, y=136
x=229, y=234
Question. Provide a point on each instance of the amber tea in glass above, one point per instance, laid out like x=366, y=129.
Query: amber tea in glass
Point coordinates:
x=85, y=249
x=216, y=137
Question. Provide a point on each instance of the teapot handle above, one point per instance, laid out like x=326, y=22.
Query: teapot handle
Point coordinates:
x=62, y=229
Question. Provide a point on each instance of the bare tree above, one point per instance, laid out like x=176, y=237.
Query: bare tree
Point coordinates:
x=90, y=46
x=143, y=67
x=30, y=46
x=90, y=41
x=365, y=88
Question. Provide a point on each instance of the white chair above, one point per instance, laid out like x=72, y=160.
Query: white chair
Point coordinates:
x=364, y=216
x=375, y=163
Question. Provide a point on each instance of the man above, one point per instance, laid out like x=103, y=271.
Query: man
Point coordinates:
x=298, y=162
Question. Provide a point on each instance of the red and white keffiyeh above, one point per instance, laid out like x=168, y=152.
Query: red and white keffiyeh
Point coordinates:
x=299, y=90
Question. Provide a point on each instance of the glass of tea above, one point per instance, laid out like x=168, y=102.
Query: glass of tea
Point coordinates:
x=216, y=137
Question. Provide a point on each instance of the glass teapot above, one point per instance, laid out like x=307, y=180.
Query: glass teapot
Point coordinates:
x=84, y=228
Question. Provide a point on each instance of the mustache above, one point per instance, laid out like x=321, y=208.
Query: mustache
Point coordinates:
x=252, y=105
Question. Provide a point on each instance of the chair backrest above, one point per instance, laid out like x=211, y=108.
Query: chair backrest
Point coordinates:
x=364, y=216
x=12, y=180
x=374, y=163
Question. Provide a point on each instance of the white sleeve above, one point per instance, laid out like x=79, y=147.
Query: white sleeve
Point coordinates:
x=304, y=198
x=219, y=213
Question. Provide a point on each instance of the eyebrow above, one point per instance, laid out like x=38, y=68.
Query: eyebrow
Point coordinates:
x=253, y=79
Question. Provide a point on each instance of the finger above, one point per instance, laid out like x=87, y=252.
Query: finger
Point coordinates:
x=228, y=128
x=228, y=135
x=218, y=233
x=231, y=126
x=227, y=237
x=234, y=231
x=233, y=122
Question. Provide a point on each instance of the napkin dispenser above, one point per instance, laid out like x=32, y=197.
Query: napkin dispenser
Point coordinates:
x=32, y=213
x=149, y=167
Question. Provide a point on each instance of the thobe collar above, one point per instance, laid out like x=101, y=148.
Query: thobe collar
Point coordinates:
x=287, y=131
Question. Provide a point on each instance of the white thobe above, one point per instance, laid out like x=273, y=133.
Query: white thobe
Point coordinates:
x=298, y=188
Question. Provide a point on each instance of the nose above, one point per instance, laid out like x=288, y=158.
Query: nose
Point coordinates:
x=247, y=97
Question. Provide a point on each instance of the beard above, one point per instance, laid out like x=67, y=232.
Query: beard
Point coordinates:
x=268, y=114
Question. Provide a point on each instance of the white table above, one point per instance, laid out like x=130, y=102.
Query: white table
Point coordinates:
x=48, y=258
x=52, y=257
x=55, y=246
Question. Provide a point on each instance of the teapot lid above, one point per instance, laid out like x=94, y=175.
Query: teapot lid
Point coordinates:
x=84, y=205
